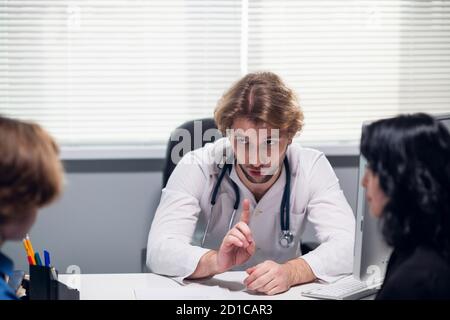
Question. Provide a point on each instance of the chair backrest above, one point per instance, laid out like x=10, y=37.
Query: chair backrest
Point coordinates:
x=176, y=137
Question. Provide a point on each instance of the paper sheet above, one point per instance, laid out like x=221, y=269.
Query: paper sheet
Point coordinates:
x=227, y=286
x=181, y=293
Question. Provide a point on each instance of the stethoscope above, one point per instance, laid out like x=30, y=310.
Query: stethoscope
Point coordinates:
x=286, y=236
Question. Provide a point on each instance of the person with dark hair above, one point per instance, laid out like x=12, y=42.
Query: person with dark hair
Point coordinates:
x=407, y=182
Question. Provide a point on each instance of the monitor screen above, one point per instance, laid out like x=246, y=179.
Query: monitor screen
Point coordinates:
x=446, y=122
x=371, y=253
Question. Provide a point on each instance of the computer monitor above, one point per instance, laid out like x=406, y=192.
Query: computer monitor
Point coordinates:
x=445, y=119
x=371, y=253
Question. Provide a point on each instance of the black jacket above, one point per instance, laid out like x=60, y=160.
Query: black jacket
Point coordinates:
x=419, y=273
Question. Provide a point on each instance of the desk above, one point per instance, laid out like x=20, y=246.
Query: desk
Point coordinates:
x=140, y=285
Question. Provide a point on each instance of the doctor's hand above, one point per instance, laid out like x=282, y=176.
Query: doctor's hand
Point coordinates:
x=238, y=244
x=269, y=277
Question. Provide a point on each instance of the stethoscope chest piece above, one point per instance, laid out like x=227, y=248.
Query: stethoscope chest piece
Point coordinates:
x=286, y=238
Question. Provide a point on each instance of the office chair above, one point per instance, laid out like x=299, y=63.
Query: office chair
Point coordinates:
x=207, y=123
x=169, y=164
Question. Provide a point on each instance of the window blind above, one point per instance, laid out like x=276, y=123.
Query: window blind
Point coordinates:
x=352, y=61
x=110, y=72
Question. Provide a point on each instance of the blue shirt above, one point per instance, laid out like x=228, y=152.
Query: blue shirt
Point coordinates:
x=6, y=269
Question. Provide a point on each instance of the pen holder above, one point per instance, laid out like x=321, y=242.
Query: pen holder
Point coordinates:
x=43, y=286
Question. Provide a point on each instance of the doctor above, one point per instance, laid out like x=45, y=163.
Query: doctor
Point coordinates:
x=242, y=203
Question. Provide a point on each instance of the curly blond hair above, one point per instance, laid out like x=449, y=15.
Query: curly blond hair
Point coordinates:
x=261, y=97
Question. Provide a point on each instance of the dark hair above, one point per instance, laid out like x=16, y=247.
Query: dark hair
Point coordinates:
x=411, y=156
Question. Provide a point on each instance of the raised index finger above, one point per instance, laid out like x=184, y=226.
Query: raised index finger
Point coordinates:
x=245, y=216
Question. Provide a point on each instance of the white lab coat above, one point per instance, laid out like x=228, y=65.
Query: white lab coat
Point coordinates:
x=174, y=240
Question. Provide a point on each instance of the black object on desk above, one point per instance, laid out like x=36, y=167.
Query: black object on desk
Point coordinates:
x=44, y=286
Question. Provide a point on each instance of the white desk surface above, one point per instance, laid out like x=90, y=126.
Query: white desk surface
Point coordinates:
x=151, y=286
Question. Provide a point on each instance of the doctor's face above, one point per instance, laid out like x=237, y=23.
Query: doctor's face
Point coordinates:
x=375, y=196
x=259, y=149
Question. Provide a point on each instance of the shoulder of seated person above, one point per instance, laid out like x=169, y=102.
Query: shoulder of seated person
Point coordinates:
x=6, y=293
x=425, y=255
x=303, y=158
x=423, y=266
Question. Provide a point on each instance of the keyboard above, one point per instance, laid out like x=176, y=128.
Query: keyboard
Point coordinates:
x=348, y=288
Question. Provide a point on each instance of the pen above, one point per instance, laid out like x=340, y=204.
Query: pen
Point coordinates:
x=47, y=258
x=25, y=245
x=54, y=274
x=38, y=259
x=28, y=252
x=29, y=245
